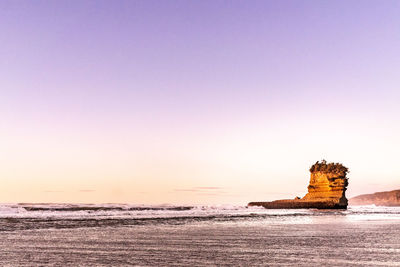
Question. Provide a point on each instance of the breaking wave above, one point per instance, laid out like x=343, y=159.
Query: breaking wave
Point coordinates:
x=26, y=216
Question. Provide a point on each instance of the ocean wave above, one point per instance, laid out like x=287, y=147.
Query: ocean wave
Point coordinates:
x=29, y=210
x=128, y=211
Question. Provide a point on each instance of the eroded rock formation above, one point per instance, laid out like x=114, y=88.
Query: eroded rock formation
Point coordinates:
x=326, y=190
x=388, y=198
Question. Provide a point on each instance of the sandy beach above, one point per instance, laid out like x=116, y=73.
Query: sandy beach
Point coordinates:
x=203, y=237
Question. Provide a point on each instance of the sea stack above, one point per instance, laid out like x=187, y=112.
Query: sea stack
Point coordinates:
x=326, y=190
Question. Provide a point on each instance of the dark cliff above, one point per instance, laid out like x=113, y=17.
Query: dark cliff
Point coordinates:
x=388, y=198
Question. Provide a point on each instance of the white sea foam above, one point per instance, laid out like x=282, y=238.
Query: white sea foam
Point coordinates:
x=118, y=211
x=129, y=211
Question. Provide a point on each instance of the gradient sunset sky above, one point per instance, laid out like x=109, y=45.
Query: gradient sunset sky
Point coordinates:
x=195, y=102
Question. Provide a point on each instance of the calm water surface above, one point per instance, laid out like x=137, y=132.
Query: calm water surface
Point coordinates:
x=120, y=235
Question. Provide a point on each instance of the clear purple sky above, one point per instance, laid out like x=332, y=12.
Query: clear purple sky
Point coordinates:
x=195, y=101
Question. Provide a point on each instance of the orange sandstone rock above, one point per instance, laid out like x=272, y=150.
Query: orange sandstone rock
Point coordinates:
x=326, y=190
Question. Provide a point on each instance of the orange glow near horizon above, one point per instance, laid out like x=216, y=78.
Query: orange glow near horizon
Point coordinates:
x=234, y=166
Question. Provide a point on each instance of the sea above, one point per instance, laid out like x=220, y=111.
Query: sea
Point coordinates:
x=170, y=235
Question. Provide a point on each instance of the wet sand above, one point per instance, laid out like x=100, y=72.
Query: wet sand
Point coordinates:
x=329, y=240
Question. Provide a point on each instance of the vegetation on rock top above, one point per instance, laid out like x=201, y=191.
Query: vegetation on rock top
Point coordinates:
x=322, y=166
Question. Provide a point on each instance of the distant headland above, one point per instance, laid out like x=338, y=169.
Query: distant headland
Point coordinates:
x=326, y=190
x=388, y=198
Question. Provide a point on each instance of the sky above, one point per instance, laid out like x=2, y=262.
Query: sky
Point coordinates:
x=195, y=102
